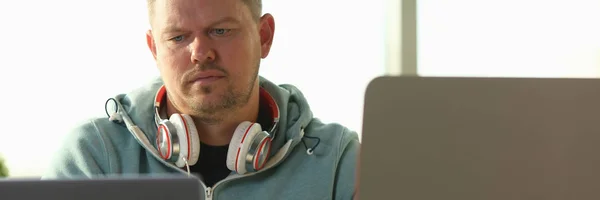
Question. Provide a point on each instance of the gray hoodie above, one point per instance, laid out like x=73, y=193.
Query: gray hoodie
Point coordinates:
x=100, y=147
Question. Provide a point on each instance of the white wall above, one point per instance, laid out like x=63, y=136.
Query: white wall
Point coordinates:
x=56, y=61
x=329, y=52
x=518, y=38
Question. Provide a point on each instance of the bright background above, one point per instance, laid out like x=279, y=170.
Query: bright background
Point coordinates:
x=516, y=38
x=57, y=56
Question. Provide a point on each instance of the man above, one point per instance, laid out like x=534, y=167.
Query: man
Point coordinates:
x=206, y=112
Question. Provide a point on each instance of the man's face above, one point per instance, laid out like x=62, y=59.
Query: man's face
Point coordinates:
x=208, y=52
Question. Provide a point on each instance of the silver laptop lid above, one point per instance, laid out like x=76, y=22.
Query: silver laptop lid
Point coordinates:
x=114, y=188
x=481, y=138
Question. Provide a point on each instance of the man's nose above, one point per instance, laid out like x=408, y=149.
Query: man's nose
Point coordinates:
x=202, y=51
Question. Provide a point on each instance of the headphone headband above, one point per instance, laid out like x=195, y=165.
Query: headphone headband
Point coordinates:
x=272, y=106
x=160, y=95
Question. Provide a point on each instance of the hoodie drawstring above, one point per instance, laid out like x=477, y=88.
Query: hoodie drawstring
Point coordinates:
x=310, y=151
x=113, y=116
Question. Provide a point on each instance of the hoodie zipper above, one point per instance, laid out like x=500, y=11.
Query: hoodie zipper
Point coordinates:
x=210, y=190
x=208, y=193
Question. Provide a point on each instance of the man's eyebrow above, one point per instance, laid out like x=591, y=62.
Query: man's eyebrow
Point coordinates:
x=172, y=29
x=225, y=20
x=177, y=29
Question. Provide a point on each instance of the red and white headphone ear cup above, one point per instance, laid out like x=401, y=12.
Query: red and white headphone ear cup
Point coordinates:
x=194, y=139
x=240, y=144
x=164, y=140
x=189, y=143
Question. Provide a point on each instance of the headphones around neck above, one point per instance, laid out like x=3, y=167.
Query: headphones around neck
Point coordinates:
x=177, y=139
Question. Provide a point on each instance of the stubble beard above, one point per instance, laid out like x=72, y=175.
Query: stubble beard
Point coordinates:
x=229, y=102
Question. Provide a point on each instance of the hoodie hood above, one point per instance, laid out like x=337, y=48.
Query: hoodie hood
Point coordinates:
x=295, y=114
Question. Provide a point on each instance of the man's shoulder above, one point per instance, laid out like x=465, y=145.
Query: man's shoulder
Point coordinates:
x=323, y=164
x=81, y=131
x=81, y=153
x=344, y=145
x=331, y=134
x=330, y=129
x=94, y=133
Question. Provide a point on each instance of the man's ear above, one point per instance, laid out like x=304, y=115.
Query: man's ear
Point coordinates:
x=267, y=32
x=151, y=44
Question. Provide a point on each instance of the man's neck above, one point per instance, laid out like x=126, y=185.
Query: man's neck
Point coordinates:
x=220, y=134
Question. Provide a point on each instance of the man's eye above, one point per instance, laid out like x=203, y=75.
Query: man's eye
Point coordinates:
x=178, y=38
x=220, y=31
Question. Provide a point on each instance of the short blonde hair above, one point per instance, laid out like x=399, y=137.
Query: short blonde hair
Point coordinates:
x=254, y=5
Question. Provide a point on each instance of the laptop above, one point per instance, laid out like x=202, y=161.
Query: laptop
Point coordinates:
x=113, y=188
x=469, y=138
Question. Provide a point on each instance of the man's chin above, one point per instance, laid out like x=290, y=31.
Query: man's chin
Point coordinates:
x=211, y=103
